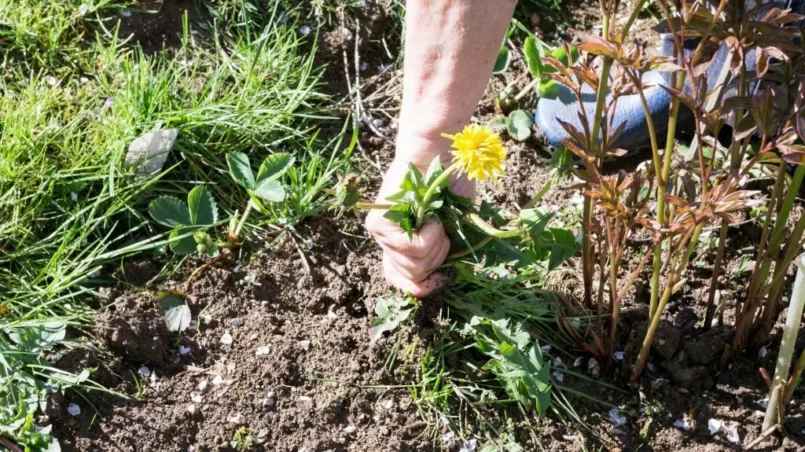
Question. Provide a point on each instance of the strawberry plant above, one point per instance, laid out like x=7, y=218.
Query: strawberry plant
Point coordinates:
x=261, y=188
x=189, y=221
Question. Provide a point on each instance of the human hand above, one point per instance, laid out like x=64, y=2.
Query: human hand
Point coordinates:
x=408, y=263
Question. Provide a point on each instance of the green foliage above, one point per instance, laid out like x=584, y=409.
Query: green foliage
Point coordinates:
x=27, y=379
x=442, y=205
x=391, y=311
x=265, y=186
x=174, y=310
x=502, y=61
x=242, y=440
x=187, y=220
x=519, y=124
x=515, y=359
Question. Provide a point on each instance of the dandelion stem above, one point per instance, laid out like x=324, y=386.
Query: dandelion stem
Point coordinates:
x=370, y=206
x=491, y=230
x=423, y=205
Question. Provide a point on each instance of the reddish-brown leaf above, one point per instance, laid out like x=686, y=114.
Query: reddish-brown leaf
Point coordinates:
x=793, y=154
x=594, y=44
x=801, y=124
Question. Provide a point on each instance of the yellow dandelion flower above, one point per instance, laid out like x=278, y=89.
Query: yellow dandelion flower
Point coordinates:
x=479, y=152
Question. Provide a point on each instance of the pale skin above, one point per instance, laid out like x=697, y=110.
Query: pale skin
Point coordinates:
x=450, y=49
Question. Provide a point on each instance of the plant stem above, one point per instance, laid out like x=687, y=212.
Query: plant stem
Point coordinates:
x=790, y=330
x=796, y=377
x=771, y=255
x=491, y=230
x=370, y=206
x=587, y=262
x=243, y=219
x=711, y=296
x=523, y=92
x=678, y=264
x=423, y=205
x=475, y=246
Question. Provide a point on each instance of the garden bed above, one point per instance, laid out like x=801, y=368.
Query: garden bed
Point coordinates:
x=279, y=355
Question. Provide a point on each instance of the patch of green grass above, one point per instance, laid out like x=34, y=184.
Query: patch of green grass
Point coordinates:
x=494, y=366
x=73, y=97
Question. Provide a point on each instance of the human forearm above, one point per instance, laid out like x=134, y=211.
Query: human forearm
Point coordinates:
x=450, y=49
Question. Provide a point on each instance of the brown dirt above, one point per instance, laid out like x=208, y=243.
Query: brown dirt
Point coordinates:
x=289, y=329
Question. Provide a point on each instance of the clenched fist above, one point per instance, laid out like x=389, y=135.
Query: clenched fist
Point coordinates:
x=408, y=263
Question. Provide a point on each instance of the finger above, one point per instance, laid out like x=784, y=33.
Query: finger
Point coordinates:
x=421, y=244
x=417, y=269
x=417, y=289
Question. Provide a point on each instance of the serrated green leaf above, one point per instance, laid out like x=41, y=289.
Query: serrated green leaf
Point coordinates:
x=169, y=211
x=434, y=170
x=415, y=175
x=533, y=51
x=203, y=210
x=185, y=245
x=270, y=190
x=502, y=61
x=499, y=123
x=40, y=337
x=401, y=215
x=274, y=166
x=174, y=310
x=391, y=312
x=240, y=169
x=520, y=123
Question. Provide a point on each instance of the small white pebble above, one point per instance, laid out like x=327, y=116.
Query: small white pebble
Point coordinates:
x=226, y=338
x=616, y=418
x=469, y=446
x=236, y=419
x=682, y=424
x=387, y=404
x=304, y=30
x=195, y=397
x=202, y=385
x=764, y=402
x=557, y=362
x=125, y=13
x=714, y=425
x=73, y=409
x=191, y=409
x=217, y=380
x=144, y=371
x=262, y=351
x=331, y=314
x=305, y=345
x=305, y=398
x=184, y=350
x=558, y=376
x=763, y=352
x=732, y=435
x=578, y=361
x=619, y=356
x=51, y=80
x=350, y=429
